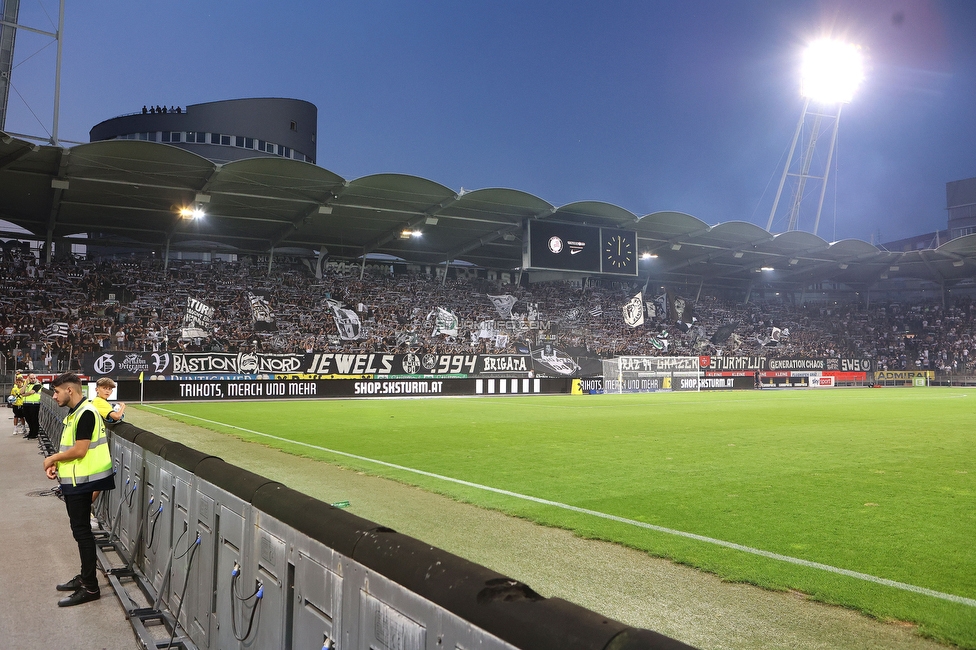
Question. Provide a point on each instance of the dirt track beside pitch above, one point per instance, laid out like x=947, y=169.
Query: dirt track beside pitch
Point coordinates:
x=628, y=585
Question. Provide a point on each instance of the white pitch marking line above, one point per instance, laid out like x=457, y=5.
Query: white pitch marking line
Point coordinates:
x=962, y=600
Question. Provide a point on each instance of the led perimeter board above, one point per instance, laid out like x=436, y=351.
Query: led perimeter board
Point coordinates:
x=556, y=246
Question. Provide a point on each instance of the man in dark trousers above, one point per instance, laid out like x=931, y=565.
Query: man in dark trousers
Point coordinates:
x=82, y=466
x=32, y=405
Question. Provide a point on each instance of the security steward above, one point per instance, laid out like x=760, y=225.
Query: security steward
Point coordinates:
x=82, y=466
x=32, y=405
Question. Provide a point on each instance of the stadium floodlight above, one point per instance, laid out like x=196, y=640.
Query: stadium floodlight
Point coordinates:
x=767, y=268
x=196, y=212
x=829, y=75
x=648, y=256
x=831, y=71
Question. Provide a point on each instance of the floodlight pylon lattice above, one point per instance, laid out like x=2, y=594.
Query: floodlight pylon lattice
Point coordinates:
x=830, y=75
x=9, y=10
x=800, y=166
x=9, y=15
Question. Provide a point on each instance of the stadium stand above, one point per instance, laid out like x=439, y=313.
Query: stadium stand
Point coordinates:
x=137, y=306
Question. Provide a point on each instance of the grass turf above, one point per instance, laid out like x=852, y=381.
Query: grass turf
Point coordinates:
x=881, y=482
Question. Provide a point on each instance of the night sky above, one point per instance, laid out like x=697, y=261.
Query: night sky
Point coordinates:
x=685, y=106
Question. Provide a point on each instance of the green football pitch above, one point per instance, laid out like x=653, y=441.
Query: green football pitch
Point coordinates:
x=862, y=498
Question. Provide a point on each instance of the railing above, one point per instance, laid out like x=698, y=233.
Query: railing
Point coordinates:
x=226, y=558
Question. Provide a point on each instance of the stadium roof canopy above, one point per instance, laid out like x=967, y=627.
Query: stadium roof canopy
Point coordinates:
x=130, y=193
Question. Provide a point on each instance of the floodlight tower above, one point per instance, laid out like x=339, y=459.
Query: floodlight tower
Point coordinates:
x=830, y=74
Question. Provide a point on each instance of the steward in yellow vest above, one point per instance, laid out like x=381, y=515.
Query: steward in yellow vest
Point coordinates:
x=83, y=466
x=32, y=405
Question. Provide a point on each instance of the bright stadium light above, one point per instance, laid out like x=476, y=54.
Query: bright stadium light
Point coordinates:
x=196, y=212
x=831, y=72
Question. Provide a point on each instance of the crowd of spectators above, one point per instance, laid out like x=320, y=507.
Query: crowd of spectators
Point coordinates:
x=140, y=306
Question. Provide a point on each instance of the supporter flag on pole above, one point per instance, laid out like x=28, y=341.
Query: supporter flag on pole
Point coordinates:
x=634, y=311
x=723, y=333
x=197, y=320
x=596, y=311
x=681, y=309
x=503, y=304
x=776, y=334
x=57, y=329
x=346, y=320
x=261, y=316
x=446, y=323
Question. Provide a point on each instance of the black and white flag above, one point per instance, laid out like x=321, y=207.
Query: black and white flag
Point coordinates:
x=596, y=311
x=723, y=333
x=198, y=320
x=261, y=315
x=681, y=309
x=634, y=311
x=56, y=329
x=446, y=323
x=346, y=320
x=503, y=305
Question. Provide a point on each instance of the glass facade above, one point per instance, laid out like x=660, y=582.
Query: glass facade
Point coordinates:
x=220, y=139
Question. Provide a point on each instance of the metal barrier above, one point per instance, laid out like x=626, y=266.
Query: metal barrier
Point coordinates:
x=225, y=558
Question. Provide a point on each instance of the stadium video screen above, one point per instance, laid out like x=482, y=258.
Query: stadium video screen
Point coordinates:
x=551, y=245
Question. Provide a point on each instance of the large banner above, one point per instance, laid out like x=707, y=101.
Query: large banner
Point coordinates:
x=842, y=365
x=548, y=359
x=132, y=364
x=659, y=364
x=251, y=389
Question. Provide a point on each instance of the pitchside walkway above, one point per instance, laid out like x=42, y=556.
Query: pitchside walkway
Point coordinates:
x=39, y=552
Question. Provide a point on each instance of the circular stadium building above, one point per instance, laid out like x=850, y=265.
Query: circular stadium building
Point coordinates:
x=223, y=131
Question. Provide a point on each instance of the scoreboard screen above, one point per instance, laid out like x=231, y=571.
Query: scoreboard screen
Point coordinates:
x=551, y=245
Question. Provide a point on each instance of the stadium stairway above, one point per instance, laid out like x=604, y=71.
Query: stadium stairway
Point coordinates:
x=40, y=553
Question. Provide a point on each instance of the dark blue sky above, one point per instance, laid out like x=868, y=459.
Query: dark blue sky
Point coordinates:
x=653, y=105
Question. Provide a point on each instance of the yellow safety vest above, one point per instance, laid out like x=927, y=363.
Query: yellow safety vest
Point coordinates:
x=97, y=463
x=36, y=397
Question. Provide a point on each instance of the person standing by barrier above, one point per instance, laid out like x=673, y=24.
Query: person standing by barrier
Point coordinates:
x=16, y=392
x=32, y=405
x=82, y=466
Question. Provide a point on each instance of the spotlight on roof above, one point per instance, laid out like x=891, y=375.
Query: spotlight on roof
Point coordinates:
x=193, y=212
x=431, y=221
x=676, y=247
x=892, y=268
x=794, y=262
x=831, y=71
x=958, y=263
x=407, y=234
x=648, y=256
x=509, y=236
x=737, y=255
x=843, y=266
x=767, y=268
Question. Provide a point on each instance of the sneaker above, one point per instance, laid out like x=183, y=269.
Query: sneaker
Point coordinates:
x=79, y=597
x=71, y=585
x=95, y=525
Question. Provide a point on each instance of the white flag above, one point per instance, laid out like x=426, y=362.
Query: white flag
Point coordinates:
x=634, y=311
x=503, y=304
x=446, y=323
x=346, y=320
